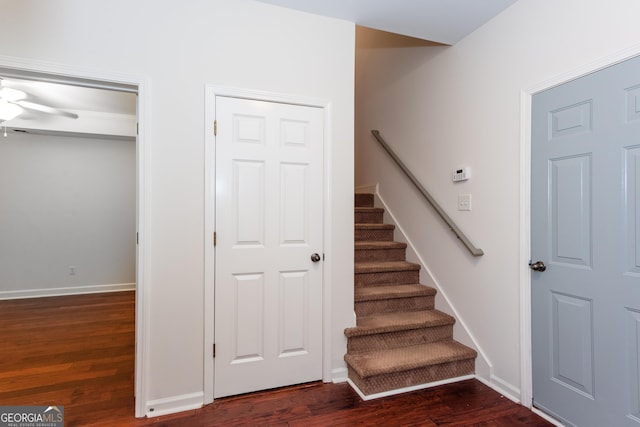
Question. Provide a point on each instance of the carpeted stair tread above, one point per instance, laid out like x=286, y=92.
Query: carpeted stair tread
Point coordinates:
x=378, y=362
x=398, y=321
x=375, y=226
x=368, y=209
x=373, y=293
x=373, y=232
x=380, y=267
x=371, y=244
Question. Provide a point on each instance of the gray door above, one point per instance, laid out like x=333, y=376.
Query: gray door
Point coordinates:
x=585, y=215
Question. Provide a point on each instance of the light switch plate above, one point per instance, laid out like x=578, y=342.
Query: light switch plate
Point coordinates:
x=464, y=202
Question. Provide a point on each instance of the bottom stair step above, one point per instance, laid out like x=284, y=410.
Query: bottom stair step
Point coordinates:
x=378, y=362
x=383, y=370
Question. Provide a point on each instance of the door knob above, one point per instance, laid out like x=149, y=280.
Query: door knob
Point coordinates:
x=538, y=266
x=315, y=257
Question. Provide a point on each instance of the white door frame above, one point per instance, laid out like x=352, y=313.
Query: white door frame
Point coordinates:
x=113, y=81
x=526, y=95
x=209, y=214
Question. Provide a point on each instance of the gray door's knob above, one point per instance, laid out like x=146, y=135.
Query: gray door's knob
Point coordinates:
x=538, y=266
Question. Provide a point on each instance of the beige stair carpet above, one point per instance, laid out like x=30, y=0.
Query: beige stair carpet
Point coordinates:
x=400, y=340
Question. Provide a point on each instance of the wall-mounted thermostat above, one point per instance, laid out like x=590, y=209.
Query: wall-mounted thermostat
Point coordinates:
x=461, y=174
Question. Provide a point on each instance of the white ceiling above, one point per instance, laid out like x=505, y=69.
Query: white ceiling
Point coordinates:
x=442, y=21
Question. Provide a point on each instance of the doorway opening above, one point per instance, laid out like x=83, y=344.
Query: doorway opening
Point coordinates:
x=73, y=174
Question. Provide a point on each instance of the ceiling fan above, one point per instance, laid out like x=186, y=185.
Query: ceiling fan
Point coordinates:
x=14, y=102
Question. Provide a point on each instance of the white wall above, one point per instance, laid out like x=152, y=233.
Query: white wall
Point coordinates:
x=179, y=47
x=445, y=107
x=66, y=202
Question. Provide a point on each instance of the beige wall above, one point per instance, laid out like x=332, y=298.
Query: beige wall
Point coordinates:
x=67, y=202
x=445, y=107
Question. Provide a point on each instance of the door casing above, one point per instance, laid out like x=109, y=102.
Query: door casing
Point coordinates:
x=211, y=91
x=526, y=95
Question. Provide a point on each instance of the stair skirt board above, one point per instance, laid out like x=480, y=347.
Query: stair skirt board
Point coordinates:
x=407, y=389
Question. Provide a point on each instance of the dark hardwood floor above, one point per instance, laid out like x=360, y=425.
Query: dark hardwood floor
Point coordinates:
x=78, y=352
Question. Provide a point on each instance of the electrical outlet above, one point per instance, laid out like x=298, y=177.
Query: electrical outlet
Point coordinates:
x=464, y=202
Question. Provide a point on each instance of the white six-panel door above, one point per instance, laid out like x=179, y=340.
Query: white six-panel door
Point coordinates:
x=268, y=290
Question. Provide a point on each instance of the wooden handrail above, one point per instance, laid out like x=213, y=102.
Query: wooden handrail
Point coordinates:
x=452, y=225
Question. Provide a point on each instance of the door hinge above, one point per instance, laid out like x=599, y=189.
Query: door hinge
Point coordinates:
x=215, y=239
x=215, y=128
x=137, y=238
x=137, y=128
x=214, y=350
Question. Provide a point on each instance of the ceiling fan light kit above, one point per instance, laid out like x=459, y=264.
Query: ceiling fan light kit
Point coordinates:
x=13, y=102
x=8, y=110
x=12, y=95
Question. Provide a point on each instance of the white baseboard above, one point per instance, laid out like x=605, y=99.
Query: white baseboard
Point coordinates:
x=172, y=405
x=504, y=388
x=70, y=290
x=407, y=389
x=547, y=417
x=339, y=375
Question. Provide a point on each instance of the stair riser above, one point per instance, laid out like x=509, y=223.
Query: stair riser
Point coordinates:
x=368, y=308
x=369, y=217
x=397, y=339
x=385, y=278
x=398, y=380
x=368, y=235
x=364, y=200
x=365, y=255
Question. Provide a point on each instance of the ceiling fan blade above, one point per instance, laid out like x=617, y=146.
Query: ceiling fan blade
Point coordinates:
x=46, y=109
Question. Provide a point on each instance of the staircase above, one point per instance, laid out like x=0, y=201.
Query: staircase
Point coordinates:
x=399, y=340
